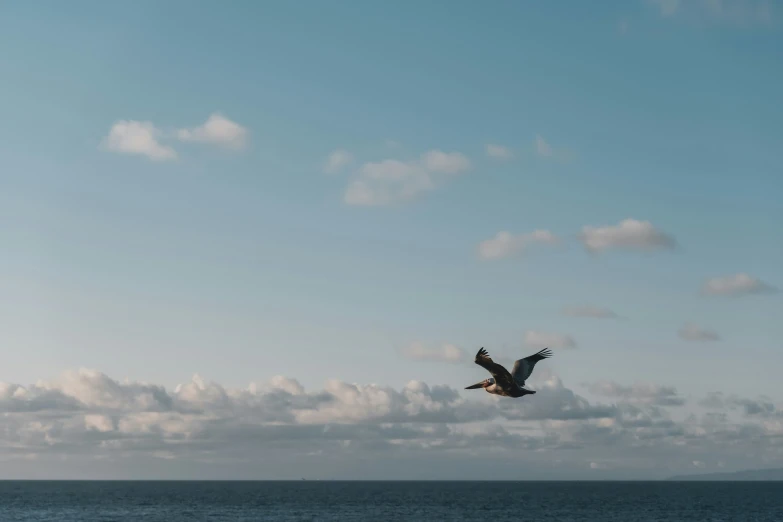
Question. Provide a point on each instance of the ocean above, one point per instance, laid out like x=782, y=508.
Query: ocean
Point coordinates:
x=27, y=501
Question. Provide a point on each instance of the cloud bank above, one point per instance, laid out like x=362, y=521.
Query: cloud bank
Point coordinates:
x=92, y=421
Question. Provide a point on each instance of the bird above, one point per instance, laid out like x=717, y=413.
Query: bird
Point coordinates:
x=504, y=383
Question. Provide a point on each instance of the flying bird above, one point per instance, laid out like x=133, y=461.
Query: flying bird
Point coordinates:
x=504, y=383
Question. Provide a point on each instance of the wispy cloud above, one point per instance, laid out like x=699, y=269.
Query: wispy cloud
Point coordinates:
x=391, y=181
x=506, y=244
x=543, y=148
x=444, y=352
x=596, y=312
x=734, y=12
x=337, y=161
x=499, y=152
x=694, y=332
x=639, y=392
x=736, y=285
x=540, y=339
x=629, y=234
x=666, y=7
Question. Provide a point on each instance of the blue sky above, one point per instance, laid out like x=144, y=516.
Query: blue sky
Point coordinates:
x=244, y=262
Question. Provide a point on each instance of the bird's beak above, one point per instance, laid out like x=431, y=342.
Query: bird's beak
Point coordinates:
x=477, y=385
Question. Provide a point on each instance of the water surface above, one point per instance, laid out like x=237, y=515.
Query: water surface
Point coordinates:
x=26, y=501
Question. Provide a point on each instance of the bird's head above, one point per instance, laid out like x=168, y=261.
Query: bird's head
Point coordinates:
x=482, y=384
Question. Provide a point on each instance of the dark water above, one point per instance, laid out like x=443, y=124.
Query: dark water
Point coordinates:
x=382, y=501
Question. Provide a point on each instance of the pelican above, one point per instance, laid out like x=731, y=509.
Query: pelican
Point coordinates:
x=504, y=383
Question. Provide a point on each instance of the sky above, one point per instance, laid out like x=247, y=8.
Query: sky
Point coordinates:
x=266, y=239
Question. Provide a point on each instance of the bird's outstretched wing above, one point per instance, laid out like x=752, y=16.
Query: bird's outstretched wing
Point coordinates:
x=524, y=367
x=500, y=374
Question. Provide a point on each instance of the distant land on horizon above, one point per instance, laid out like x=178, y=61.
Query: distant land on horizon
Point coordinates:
x=748, y=474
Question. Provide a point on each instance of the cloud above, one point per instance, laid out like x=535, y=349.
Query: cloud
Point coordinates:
x=144, y=138
x=667, y=7
x=217, y=130
x=539, y=339
x=543, y=148
x=693, y=332
x=736, y=285
x=337, y=161
x=557, y=403
x=499, y=152
x=762, y=407
x=734, y=12
x=390, y=181
x=448, y=163
x=645, y=393
x=596, y=312
x=443, y=353
x=85, y=424
x=629, y=234
x=506, y=244
x=138, y=137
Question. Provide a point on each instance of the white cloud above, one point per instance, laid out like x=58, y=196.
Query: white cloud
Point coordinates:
x=693, y=332
x=499, y=152
x=444, y=352
x=588, y=311
x=506, y=244
x=134, y=430
x=100, y=423
x=390, y=181
x=217, y=130
x=629, y=234
x=138, y=137
x=337, y=161
x=539, y=339
x=736, y=285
